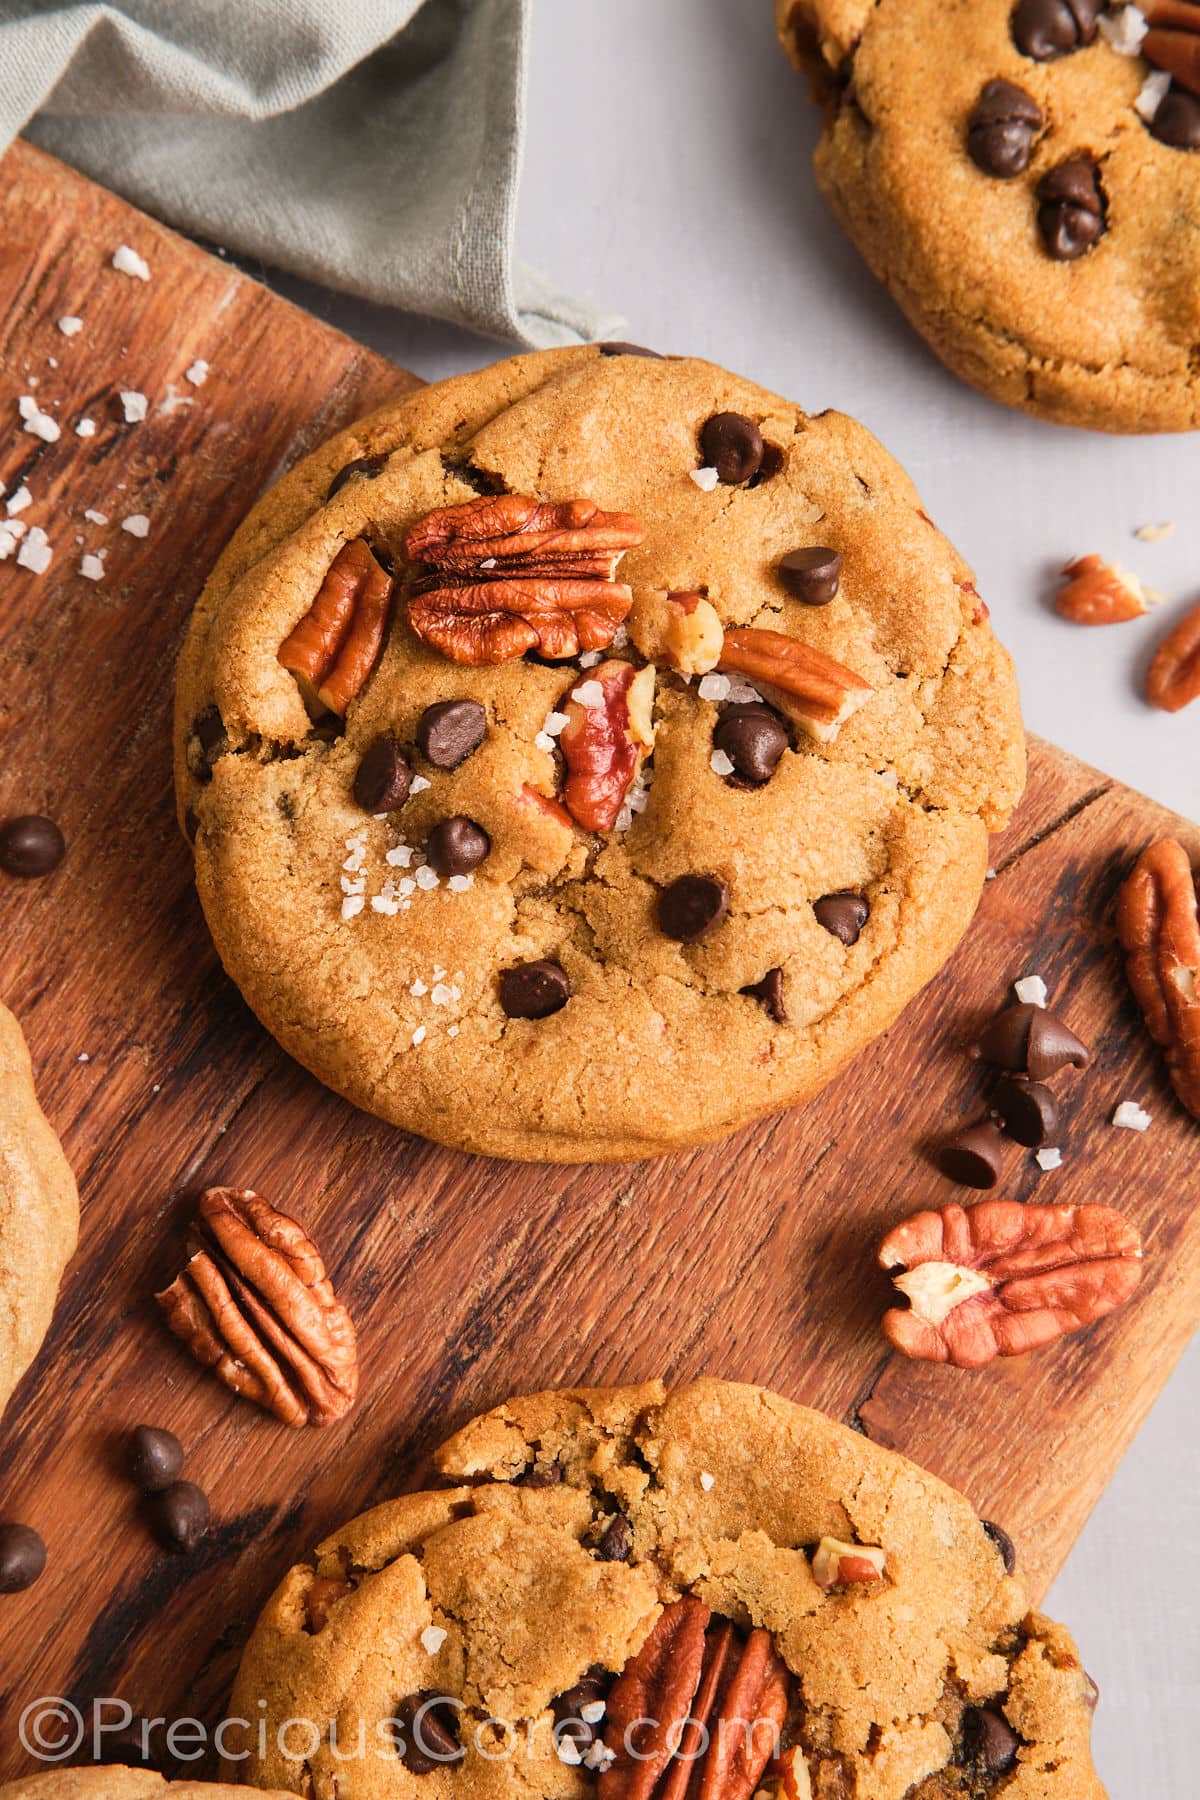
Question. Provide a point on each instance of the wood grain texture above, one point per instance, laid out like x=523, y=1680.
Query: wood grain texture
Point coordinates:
x=469, y=1280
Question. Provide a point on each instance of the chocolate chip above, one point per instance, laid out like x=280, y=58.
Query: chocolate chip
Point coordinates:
x=772, y=462
x=22, y=1557
x=568, y=1712
x=1177, y=121
x=617, y=1540
x=448, y=732
x=753, y=737
x=731, y=444
x=692, y=907
x=974, y=1157
x=155, y=1459
x=31, y=846
x=1028, y=1111
x=843, y=915
x=1001, y=129
x=1071, y=208
x=181, y=1515
x=1027, y=1040
x=457, y=845
x=989, y=1740
x=383, y=777
x=617, y=348
x=363, y=468
x=534, y=990
x=1003, y=1543
x=428, y=1740
x=769, y=993
x=813, y=574
x=1045, y=29
x=543, y=1473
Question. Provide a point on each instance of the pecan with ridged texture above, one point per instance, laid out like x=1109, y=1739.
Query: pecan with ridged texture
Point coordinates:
x=506, y=574
x=605, y=741
x=336, y=645
x=1001, y=1278
x=254, y=1304
x=650, y=1701
x=818, y=693
x=1158, y=924
x=1173, y=678
x=1098, y=593
x=1173, y=41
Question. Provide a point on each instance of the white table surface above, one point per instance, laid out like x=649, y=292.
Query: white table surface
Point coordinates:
x=668, y=177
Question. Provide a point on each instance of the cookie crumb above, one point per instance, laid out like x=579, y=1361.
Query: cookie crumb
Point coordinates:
x=1129, y=1116
x=128, y=262
x=1156, y=534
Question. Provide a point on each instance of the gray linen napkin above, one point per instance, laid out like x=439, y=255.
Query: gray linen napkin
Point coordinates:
x=372, y=145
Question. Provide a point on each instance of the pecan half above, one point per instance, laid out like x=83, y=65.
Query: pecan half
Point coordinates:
x=511, y=574
x=609, y=731
x=1173, y=41
x=1159, y=928
x=254, y=1304
x=1098, y=593
x=651, y=1700
x=334, y=648
x=816, y=692
x=1173, y=678
x=1001, y=1278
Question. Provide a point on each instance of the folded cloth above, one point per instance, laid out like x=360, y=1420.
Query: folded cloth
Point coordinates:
x=372, y=145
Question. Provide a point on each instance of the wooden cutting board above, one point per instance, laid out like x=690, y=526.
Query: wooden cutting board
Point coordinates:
x=469, y=1279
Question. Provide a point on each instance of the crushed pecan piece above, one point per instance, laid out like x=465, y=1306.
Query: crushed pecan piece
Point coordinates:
x=682, y=630
x=1159, y=928
x=334, y=648
x=322, y=1596
x=254, y=1304
x=1173, y=41
x=607, y=735
x=1001, y=1278
x=1098, y=593
x=509, y=574
x=1173, y=678
x=816, y=692
x=836, y=1564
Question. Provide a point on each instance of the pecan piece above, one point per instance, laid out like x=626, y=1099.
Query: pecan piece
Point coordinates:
x=1001, y=1278
x=1173, y=678
x=322, y=1596
x=836, y=1564
x=254, y=1304
x=749, y=1718
x=683, y=630
x=1159, y=928
x=816, y=692
x=511, y=574
x=651, y=1700
x=1173, y=41
x=608, y=733
x=1098, y=593
x=334, y=648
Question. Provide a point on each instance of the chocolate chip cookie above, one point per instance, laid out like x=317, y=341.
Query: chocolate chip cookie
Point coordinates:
x=39, y=1211
x=118, y=1783
x=1024, y=176
x=587, y=756
x=640, y=1594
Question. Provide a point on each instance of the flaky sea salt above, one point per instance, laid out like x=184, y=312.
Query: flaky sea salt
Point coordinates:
x=589, y=659
x=458, y=884
x=598, y=1756
x=134, y=405
x=399, y=856
x=137, y=525
x=197, y=374
x=705, y=478
x=18, y=500
x=1154, y=91
x=11, y=532
x=86, y=428
x=418, y=784
x=352, y=905
x=592, y=1712
x=720, y=764
x=432, y=1639
x=91, y=568
x=69, y=325
x=707, y=1481
x=1129, y=1116
x=128, y=262
x=443, y=995
x=714, y=687
x=35, y=553
x=419, y=1036
x=452, y=1031
x=418, y=990
x=40, y=424
x=568, y=1751
x=96, y=518
x=589, y=694
x=426, y=878
x=543, y=741
x=1049, y=1159
x=1124, y=30
x=1030, y=990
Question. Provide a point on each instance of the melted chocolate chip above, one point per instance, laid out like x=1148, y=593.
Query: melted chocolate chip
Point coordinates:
x=155, y=1459
x=181, y=1515
x=616, y=1541
x=769, y=994
x=569, y=1708
x=1177, y=121
x=457, y=846
x=1003, y=1543
x=1071, y=208
x=31, y=846
x=534, y=990
x=813, y=574
x=543, y=1473
x=692, y=907
x=1001, y=129
x=22, y=1557
x=428, y=1740
x=989, y=1741
x=1045, y=29
x=617, y=348
x=731, y=444
x=974, y=1157
x=843, y=915
x=363, y=468
x=383, y=777
x=448, y=732
x=754, y=738
x=1028, y=1111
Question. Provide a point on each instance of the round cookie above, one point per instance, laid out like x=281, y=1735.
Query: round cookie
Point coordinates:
x=118, y=1783
x=709, y=944
x=39, y=1212
x=1027, y=186
x=598, y=1536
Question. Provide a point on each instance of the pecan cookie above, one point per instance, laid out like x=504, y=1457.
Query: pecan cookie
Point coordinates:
x=587, y=756
x=638, y=1595
x=39, y=1211
x=117, y=1783
x=1024, y=176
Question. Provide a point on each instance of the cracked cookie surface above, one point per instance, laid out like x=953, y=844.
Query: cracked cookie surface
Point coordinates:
x=386, y=975
x=944, y=135
x=580, y=1519
x=39, y=1211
